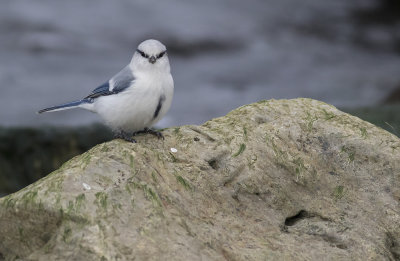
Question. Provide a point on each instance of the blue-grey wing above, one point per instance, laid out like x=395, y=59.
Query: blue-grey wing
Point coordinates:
x=122, y=80
x=102, y=90
x=116, y=84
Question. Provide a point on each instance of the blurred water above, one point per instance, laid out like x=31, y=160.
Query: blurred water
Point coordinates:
x=223, y=54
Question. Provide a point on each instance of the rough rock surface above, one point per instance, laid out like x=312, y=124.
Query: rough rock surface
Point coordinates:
x=275, y=180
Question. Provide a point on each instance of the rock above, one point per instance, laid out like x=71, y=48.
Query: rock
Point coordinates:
x=275, y=180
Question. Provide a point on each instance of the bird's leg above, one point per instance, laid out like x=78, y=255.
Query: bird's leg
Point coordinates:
x=154, y=132
x=124, y=135
x=150, y=131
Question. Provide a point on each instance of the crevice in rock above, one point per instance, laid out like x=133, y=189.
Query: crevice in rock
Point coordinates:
x=393, y=245
x=317, y=226
x=302, y=214
x=217, y=161
x=213, y=163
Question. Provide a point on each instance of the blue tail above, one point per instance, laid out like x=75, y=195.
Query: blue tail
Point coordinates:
x=65, y=106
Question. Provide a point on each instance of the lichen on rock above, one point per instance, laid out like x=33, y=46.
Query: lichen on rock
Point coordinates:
x=274, y=180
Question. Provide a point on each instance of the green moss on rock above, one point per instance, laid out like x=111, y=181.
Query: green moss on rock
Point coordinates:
x=266, y=181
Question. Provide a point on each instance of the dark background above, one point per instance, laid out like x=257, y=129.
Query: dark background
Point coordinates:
x=223, y=54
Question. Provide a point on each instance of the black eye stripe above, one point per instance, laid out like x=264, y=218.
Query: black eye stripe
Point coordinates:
x=161, y=54
x=142, y=53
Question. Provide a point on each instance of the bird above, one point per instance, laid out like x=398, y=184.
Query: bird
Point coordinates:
x=136, y=98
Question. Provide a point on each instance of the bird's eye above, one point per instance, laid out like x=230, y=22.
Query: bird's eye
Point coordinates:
x=161, y=54
x=142, y=53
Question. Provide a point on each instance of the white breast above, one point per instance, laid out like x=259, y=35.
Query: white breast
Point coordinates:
x=134, y=109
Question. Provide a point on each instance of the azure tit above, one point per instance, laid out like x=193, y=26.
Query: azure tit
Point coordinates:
x=135, y=98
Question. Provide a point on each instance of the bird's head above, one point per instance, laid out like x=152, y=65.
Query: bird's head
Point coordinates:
x=151, y=55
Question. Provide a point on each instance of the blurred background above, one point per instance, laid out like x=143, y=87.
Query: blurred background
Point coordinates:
x=223, y=54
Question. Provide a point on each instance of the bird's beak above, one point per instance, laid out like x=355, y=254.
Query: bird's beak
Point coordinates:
x=152, y=59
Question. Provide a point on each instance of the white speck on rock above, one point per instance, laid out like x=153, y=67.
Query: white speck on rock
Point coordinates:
x=174, y=150
x=86, y=186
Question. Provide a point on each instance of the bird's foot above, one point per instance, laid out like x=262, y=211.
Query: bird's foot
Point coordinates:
x=125, y=136
x=150, y=131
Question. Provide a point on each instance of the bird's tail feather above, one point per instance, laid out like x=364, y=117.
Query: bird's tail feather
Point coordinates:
x=66, y=106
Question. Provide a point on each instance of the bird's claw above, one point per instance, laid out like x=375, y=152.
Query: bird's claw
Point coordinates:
x=125, y=136
x=155, y=133
x=152, y=132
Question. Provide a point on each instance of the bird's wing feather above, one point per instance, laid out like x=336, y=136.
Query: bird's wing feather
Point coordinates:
x=99, y=91
x=122, y=80
x=117, y=84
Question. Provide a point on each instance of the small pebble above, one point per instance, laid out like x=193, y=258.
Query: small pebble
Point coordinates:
x=86, y=186
x=174, y=150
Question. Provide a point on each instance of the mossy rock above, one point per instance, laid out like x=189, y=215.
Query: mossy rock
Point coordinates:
x=275, y=180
